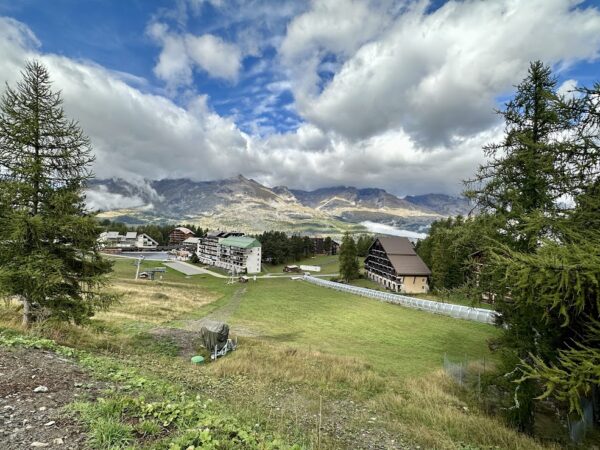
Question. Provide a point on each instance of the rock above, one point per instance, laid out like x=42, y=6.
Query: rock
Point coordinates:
x=58, y=441
x=42, y=408
x=49, y=424
x=39, y=444
x=41, y=389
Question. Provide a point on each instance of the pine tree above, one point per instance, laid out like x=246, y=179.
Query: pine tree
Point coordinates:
x=48, y=250
x=349, y=266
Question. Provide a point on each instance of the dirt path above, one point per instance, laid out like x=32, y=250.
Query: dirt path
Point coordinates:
x=187, y=338
x=30, y=419
x=223, y=314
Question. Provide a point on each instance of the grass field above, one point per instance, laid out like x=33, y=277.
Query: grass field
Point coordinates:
x=328, y=263
x=368, y=372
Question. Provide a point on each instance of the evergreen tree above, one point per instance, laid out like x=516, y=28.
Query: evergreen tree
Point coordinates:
x=48, y=251
x=545, y=287
x=327, y=243
x=523, y=173
x=349, y=266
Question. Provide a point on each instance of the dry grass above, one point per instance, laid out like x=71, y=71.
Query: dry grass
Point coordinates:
x=260, y=360
x=155, y=302
x=431, y=410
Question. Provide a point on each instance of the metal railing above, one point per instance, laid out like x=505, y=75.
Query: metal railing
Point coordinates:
x=447, y=309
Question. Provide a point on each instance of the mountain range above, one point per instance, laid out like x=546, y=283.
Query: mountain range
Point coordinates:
x=246, y=205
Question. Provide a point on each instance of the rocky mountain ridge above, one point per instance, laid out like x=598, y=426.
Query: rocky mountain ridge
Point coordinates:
x=247, y=205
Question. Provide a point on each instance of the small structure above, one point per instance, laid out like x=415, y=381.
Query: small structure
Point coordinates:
x=150, y=274
x=215, y=339
x=180, y=234
x=393, y=263
x=291, y=268
x=310, y=268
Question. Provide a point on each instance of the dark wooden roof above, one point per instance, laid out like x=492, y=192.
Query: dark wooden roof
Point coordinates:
x=396, y=245
x=402, y=255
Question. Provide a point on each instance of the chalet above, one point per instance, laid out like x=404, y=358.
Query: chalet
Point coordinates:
x=393, y=263
x=180, y=234
x=130, y=240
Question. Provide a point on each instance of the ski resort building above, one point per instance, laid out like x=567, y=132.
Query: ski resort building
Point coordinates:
x=180, y=234
x=393, y=263
x=130, y=240
x=231, y=251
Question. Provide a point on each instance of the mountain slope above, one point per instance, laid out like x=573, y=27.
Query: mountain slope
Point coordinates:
x=249, y=206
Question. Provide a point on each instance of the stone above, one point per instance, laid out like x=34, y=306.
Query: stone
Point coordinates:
x=58, y=441
x=37, y=444
x=41, y=389
x=49, y=424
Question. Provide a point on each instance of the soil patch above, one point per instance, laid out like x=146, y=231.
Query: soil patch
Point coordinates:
x=30, y=419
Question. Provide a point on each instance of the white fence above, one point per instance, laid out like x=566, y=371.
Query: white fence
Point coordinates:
x=447, y=309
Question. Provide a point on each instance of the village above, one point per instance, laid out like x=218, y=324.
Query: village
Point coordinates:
x=391, y=261
x=300, y=225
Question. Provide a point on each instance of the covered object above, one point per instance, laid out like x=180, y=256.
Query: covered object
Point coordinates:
x=214, y=335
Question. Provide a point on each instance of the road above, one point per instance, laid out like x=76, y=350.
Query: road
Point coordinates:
x=190, y=269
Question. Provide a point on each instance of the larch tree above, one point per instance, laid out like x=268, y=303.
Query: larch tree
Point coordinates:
x=540, y=264
x=49, y=256
x=349, y=266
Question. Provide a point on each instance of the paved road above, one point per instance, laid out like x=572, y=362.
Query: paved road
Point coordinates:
x=190, y=269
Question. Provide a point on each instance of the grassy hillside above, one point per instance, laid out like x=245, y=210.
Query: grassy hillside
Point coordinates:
x=315, y=367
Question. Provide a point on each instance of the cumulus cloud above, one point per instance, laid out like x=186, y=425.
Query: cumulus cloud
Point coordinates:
x=213, y=54
x=134, y=134
x=400, y=98
x=181, y=53
x=433, y=74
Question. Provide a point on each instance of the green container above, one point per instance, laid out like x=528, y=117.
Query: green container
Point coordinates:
x=197, y=359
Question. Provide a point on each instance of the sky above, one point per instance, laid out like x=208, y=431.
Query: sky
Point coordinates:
x=399, y=95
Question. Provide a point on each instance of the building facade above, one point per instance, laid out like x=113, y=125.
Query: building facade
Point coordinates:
x=130, y=240
x=180, y=234
x=231, y=251
x=393, y=263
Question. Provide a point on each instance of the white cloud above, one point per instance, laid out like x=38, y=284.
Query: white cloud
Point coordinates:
x=181, y=53
x=101, y=199
x=567, y=88
x=434, y=75
x=408, y=108
x=217, y=57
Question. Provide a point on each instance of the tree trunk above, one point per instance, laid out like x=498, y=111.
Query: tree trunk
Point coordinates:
x=26, y=312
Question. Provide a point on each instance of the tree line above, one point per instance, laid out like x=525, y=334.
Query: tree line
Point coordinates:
x=534, y=247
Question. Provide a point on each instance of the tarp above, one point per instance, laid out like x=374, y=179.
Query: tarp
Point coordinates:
x=213, y=335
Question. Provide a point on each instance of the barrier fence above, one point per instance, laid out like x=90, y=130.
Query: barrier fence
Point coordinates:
x=447, y=309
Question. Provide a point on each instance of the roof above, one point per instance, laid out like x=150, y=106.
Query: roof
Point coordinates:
x=131, y=235
x=402, y=255
x=409, y=265
x=191, y=240
x=112, y=234
x=184, y=230
x=396, y=245
x=240, y=242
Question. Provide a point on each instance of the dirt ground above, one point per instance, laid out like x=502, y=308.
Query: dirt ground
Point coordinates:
x=30, y=419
